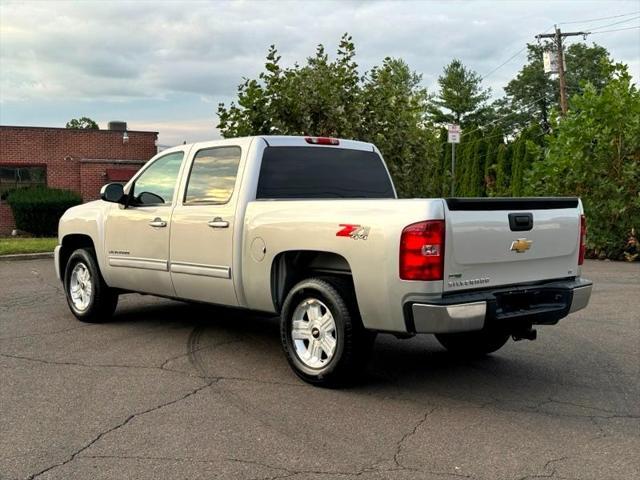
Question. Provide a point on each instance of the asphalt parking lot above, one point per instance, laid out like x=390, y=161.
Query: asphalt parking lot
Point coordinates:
x=170, y=390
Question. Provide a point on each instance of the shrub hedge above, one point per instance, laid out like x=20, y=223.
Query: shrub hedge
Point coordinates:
x=37, y=210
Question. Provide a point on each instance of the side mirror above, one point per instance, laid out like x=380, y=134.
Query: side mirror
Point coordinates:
x=113, y=192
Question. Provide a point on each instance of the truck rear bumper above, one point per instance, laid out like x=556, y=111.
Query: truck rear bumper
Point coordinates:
x=539, y=304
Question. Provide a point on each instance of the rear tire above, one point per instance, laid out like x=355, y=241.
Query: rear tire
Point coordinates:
x=473, y=344
x=322, y=334
x=89, y=297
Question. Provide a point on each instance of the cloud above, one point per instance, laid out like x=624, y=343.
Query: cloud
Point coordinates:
x=177, y=132
x=91, y=53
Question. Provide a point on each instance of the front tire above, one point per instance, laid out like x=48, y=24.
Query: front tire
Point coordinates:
x=474, y=344
x=89, y=297
x=321, y=332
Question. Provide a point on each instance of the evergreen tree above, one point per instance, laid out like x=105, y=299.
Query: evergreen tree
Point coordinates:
x=461, y=98
x=519, y=148
x=494, y=140
x=502, y=171
x=477, y=169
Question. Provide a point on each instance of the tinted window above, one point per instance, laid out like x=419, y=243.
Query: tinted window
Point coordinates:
x=316, y=172
x=213, y=175
x=155, y=186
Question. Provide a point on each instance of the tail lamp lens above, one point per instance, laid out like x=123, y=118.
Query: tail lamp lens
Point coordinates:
x=583, y=239
x=422, y=251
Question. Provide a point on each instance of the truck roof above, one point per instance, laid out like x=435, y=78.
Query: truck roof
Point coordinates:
x=293, y=141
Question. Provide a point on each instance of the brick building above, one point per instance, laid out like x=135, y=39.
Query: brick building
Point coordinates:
x=78, y=160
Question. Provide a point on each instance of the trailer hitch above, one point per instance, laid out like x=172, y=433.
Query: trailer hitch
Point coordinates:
x=526, y=333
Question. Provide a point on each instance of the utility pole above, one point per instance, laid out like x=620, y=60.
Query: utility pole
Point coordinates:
x=558, y=36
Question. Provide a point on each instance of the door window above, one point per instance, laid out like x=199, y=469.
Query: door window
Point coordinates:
x=156, y=185
x=213, y=176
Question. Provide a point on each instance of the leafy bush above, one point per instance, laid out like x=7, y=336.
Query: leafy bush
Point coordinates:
x=38, y=210
x=594, y=153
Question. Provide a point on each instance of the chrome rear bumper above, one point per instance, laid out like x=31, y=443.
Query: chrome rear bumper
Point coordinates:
x=537, y=304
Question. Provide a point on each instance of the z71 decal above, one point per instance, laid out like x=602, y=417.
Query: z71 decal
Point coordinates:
x=357, y=232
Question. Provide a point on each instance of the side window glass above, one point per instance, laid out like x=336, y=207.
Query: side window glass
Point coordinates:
x=158, y=182
x=213, y=175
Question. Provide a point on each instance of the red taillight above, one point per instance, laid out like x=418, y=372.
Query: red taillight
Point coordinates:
x=422, y=251
x=583, y=239
x=322, y=140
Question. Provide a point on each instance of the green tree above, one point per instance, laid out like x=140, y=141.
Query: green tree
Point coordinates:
x=320, y=98
x=587, y=64
x=494, y=140
x=503, y=170
x=518, y=166
x=532, y=93
x=329, y=97
x=472, y=152
x=446, y=167
x=82, y=123
x=461, y=98
x=476, y=183
x=594, y=153
x=393, y=118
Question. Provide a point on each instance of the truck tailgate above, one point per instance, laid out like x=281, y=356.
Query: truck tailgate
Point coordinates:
x=503, y=241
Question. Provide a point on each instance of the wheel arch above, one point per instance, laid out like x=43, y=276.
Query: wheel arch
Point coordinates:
x=70, y=243
x=291, y=266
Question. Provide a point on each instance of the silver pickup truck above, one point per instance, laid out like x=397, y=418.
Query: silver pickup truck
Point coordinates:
x=310, y=228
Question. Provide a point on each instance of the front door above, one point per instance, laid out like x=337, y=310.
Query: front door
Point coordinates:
x=202, y=228
x=137, y=236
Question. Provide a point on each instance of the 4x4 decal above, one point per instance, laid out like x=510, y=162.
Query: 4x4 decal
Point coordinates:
x=357, y=232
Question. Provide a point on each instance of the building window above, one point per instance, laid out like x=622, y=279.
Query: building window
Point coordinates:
x=12, y=177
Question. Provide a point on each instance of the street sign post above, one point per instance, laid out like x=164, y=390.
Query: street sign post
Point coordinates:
x=453, y=137
x=453, y=132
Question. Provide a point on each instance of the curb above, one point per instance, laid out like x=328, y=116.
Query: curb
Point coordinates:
x=26, y=256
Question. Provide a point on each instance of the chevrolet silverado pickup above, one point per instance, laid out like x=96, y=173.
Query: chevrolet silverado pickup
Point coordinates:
x=311, y=229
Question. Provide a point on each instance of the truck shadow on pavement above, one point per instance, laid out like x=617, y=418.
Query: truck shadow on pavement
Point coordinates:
x=235, y=343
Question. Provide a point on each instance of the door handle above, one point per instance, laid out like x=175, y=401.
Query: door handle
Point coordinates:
x=158, y=223
x=218, y=223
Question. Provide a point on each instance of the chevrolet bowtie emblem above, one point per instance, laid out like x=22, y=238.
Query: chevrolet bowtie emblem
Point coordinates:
x=521, y=245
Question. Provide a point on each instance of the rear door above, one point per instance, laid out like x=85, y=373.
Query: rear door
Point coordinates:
x=493, y=242
x=202, y=226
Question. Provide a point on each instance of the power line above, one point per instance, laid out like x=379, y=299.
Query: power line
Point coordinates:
x=601, y=18
x=509, y=59
x=617, y=23
x=504, y=63
x=615, y=30
x=522, y=109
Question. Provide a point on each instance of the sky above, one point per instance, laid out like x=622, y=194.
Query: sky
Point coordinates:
x=165, y=65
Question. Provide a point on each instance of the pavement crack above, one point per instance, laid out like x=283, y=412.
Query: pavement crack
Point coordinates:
x=127, y=420
x=544, y=468
x=409, y=434
x=75, y=364
x=43, y=334
x=147, y=457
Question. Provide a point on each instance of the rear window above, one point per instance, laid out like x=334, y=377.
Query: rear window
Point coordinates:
x=316, y=172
